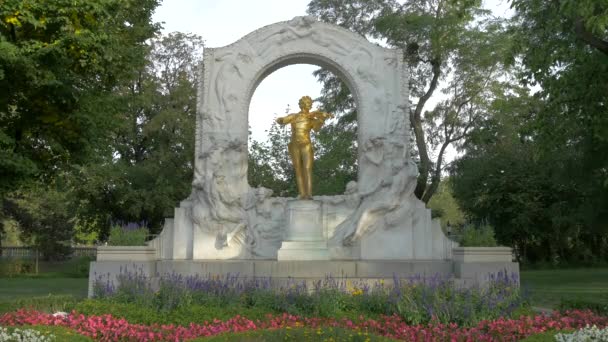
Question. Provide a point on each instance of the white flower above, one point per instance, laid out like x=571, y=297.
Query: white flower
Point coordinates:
x=585, y=334
x=23, y=335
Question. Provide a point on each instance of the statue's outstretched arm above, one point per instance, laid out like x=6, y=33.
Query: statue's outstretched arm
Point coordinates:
x=285, y=119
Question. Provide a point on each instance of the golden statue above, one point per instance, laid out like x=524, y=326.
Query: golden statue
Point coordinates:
x=300, y=147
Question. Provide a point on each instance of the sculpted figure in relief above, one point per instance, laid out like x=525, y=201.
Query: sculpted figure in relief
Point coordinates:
x=217, y=208
x=301, y=28
x=229, y=73
x=387, y=205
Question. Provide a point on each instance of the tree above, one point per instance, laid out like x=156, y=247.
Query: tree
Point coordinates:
x=60, y=62
x=45, y=218
x=445, y=205
x=508, y=179
x=148, y=167
x=562, y=45
x=269, y=164
x=451, y=42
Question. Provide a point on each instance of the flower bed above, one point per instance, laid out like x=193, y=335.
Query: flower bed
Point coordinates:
x=109, y=328
x=416, y=300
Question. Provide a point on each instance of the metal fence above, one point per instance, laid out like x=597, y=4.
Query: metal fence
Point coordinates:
x=29, y=252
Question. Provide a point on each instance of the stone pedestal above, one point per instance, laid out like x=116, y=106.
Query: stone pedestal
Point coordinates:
x=304, y=238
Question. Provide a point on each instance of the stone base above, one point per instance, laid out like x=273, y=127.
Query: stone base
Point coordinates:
x=132, y=253
x=304, y=238
x=303, y=250
x=482, y=254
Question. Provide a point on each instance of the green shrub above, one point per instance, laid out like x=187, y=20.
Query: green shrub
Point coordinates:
x=50, y=303
x=82, y=266
x=297, y=334
x=482, y=236
x=128, y=235
x=13, y=267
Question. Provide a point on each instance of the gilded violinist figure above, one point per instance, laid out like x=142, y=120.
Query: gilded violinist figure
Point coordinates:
x=300, y=146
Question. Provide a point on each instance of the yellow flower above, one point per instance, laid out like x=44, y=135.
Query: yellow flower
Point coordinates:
x=356, y=292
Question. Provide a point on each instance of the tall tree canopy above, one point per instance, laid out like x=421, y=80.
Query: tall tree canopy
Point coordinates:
x=452, y=47
x=538, y=169
x=60, y=62
x=148, y=167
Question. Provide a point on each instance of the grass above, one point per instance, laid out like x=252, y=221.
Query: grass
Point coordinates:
x=71, y=268
x=16, y=288
x=548, y=336
x=548, y=287
x=296, y=334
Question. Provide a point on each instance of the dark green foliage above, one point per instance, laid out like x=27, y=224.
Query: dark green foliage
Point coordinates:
x=45, y=219
x=482, y=236
x=536, y=169
x=269, y=163
x=128, y=235
x=13, y=267
x=443, y=205
x=59, y=64
x=148, y=167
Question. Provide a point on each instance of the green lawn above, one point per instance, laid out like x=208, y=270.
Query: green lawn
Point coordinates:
x=17, y=288
x=548, y=287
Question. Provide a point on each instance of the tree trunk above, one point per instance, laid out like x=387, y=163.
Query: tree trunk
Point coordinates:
x=585, y=35
x=36, y=262
x=416, y=122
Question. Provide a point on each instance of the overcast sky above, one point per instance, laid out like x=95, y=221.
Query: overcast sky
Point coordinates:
x=222, y=22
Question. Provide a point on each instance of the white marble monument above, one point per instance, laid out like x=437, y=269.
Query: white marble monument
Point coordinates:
x=377, y=228
x=378, y=217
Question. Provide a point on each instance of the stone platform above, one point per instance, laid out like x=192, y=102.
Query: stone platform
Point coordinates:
x=309, y=270
x=304, y=238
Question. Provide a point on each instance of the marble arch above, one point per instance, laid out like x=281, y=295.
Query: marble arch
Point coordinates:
x=377, y=218
x=376, y=76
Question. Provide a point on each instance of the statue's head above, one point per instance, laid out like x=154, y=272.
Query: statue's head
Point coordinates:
x=305, y=103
